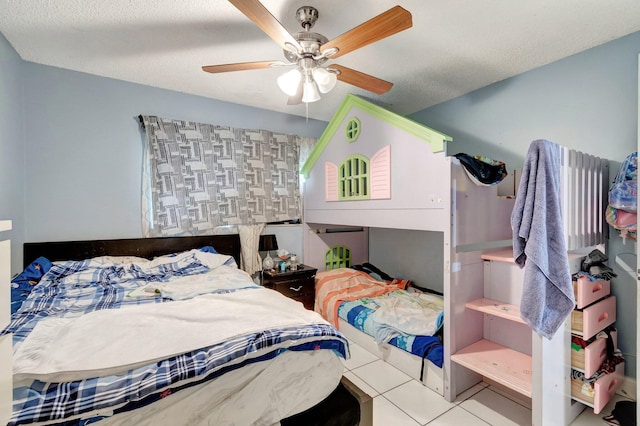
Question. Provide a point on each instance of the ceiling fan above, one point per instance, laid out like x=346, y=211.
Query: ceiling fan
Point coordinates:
x=309, y=51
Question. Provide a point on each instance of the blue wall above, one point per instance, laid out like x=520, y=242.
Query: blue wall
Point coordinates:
x=72, y=150
x=587, y=102
x=84, y=148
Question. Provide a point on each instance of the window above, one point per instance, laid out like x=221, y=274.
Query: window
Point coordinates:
x=353, y=175
x=352, y=129
x=337, y=257
x=199, y=176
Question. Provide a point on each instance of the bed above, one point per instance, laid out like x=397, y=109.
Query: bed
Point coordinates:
x=395, y=176
x=391, y=178
x=389, y=317
x=189, y=350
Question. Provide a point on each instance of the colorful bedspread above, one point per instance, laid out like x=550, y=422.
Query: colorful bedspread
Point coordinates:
x=344, y=284
x=72, y=290
x=361, y=314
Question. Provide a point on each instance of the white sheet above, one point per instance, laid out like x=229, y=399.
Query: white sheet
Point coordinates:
x=189, y=286
x=57, y=349
x=410, y=313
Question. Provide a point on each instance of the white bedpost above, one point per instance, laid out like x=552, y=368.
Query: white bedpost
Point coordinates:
x=6, y=364
x=638, y=265
x=450, y=392
x=551, y=402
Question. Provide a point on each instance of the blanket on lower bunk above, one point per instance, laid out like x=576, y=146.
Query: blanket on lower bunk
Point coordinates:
x=344, y=284
x=407, y=319
x=361, y=314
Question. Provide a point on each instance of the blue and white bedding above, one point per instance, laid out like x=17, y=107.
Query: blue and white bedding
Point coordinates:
x=390, y=317
x=87, y=341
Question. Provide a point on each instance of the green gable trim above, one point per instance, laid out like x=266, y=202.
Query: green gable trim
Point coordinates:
x=430, y=136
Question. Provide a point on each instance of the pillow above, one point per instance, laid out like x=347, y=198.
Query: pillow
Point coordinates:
x=213, y=260
x=172, y=257
x=23, y=283
x=32, y=273
x=120, y=259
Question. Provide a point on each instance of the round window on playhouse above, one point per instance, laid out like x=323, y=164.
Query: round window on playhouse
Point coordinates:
x=353, y=129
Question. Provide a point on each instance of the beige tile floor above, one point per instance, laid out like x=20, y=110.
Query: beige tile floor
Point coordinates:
x=399, y=400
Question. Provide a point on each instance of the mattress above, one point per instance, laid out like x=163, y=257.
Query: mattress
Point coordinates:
x=183, y=339
x=258, y=394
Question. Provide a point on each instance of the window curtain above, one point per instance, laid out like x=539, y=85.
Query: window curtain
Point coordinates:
x=201, y=176
x=249, y=243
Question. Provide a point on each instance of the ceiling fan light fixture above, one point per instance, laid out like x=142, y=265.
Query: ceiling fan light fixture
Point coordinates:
x=289, y=81
x=310, y=92
x=308, y=51
x=326, y=80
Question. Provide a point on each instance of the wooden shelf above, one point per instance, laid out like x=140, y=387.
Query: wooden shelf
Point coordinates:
x=498, y=309
x=5, y=225
x=503, y=365
x=504, y=254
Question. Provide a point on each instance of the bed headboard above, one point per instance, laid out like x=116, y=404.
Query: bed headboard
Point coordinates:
x=142, y=247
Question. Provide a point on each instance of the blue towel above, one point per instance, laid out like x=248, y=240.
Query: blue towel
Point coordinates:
x=539, y=243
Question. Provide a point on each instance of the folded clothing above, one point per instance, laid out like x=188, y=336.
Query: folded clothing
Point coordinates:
x=593, y=264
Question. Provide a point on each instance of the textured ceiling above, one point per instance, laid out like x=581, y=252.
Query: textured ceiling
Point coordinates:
x=454, y=46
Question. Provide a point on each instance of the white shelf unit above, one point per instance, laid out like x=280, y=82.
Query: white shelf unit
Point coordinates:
x=507, y=352
x=498, y=363
x=6, y=365
x=503, y=353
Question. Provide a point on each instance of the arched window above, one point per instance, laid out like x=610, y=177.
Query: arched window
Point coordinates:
x=337, y=257
x=353, y=177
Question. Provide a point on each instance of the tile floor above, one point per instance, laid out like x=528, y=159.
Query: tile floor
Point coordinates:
x=399, y=400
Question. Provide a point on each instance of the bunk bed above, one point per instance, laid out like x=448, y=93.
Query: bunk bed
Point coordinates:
x=286, y=369
x=415, y=187
x=381, y=173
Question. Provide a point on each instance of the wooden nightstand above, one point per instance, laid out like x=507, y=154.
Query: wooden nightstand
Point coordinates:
x=298, y=285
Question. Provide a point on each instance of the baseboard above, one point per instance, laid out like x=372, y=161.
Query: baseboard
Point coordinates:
x=628, y=389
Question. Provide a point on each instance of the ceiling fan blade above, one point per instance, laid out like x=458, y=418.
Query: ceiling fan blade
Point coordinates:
x=362, y=80
x=241, y=66
x=384, y=25
x=260, y=16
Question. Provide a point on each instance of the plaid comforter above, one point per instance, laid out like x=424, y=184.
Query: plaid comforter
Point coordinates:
x=75, y=288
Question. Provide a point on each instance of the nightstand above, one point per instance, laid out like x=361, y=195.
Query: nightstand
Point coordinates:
x=298, y=285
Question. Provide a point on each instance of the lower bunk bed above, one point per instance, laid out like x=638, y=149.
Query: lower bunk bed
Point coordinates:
x=103, y=334
x=396, y=322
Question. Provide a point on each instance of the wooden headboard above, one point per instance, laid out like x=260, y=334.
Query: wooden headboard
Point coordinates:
x=142, y=247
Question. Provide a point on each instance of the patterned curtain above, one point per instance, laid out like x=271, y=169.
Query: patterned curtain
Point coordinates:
x=201, y=176
x=249, y=243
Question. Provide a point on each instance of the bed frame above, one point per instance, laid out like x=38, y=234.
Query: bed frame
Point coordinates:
x=346, y=405
x=142, y=247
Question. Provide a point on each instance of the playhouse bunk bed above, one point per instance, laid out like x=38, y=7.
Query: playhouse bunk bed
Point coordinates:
x=414, y=187
x=381, y=174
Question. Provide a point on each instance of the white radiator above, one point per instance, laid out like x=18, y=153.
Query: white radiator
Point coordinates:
x=584, y=186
